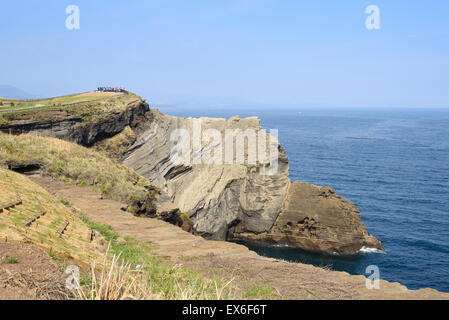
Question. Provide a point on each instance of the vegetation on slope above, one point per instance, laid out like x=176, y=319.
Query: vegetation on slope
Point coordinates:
x=117, y=146
x=88, y=106
x=156, y=278
x=77, y=165
x=75, y=243
x=136, y=273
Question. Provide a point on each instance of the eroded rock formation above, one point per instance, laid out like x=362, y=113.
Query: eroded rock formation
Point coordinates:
x=316, y=219
x=219, y=197
x=62, y=125
x=236, y=201
x=223, y=201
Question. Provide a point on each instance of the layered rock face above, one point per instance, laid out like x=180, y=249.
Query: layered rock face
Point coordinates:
x=224, y=198
x=219, y=198
x=239, y=200
x=72, y=128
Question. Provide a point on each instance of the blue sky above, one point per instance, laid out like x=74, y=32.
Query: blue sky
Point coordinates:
x=245, y=52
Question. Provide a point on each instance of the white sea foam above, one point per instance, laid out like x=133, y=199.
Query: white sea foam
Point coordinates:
x=280, y=246
x=370, y=250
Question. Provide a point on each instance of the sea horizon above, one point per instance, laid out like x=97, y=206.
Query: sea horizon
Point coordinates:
x=376, y=175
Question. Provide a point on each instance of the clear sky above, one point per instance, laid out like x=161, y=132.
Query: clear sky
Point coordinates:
x=258, y=52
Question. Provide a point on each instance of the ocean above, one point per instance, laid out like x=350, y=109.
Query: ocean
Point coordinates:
x=399, y=181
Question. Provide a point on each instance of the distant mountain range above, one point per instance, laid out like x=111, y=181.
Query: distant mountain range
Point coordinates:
x=10, y=92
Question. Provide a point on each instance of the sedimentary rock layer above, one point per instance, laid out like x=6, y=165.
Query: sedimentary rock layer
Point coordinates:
x=224, y=200
x=75, y=129
x=236, y=201
x=316, y=219
x=219, y=197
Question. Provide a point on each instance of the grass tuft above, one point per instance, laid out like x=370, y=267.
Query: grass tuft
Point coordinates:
x=258, y=291
x=12, y=260
x=66, y=203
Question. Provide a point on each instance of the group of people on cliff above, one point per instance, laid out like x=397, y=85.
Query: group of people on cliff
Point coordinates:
x=110, y=89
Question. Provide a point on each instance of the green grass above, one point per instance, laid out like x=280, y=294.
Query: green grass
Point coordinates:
x=12, y=260
x=92, y=99
x=54, y=255
x=88, y=106
x=43, y=232
x=66, y=203
x=165, y=278
x=3, y=120
x=260, y=291
x=312, y=294
x=172, y=281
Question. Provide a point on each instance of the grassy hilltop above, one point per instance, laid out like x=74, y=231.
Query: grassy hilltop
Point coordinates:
x=85, y=105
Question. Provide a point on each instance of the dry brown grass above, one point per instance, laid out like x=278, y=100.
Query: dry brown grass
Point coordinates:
x=74, y=244
x=51, y=287
x=127, y=271
x=260, y=279
x=90, y=103
x=117, y=280
x=74, y=164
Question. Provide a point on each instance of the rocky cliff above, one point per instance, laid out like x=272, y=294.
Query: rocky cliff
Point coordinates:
x=316, y=219
x=225, y=200
x=236, y=201
x=84, y=125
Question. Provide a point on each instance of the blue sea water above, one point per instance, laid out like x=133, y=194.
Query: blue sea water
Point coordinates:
x=400, y=183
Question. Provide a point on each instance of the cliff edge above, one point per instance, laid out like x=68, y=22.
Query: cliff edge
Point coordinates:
x=224, y=200
x=235, y=201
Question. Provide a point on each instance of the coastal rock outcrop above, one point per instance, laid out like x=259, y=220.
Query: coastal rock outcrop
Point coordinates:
x=315, y=219
x=216, y=197
x=220, y=197
x=62, y=125
x=237, y=202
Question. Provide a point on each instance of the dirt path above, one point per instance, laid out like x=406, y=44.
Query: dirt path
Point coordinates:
x=168, y=239
x=290, y=280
